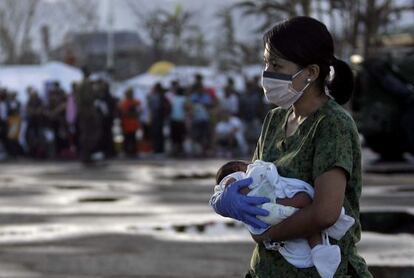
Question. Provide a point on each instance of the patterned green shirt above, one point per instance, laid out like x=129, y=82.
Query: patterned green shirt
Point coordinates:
x=327, y=138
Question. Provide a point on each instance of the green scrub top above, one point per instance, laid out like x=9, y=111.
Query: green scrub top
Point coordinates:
x=328, y=138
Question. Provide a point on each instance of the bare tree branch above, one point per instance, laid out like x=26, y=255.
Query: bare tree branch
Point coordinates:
x=168, y=31
x=16, y=22
x=81, y=14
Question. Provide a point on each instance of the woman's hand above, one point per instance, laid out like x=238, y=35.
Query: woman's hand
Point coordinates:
x=260, y=238
x=231, y=203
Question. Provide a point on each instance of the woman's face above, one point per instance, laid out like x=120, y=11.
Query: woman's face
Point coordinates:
x=277, y=64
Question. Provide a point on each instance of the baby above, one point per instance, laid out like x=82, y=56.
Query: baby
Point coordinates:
x=287, y=196
x=300, y=200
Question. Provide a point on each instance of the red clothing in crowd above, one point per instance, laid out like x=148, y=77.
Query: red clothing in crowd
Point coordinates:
x=129, y=115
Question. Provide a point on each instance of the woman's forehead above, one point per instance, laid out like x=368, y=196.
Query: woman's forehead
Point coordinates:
x=272, y=54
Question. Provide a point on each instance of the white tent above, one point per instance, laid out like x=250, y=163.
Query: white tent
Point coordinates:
x=142, y=84
x=19, y=77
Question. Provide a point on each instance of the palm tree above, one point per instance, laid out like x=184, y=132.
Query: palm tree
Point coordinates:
x=168, y=31
x=178, y=22
x=226, y=44
x=154, y=23
x=195, y=45
x=377, y=16
x=272, y=11
x=358, y=19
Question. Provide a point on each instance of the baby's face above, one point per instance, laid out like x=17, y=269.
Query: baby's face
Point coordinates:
x=229, y=181
x=243, y=191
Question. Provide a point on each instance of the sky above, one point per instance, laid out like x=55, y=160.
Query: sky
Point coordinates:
x=205, y=10
x=125, y=20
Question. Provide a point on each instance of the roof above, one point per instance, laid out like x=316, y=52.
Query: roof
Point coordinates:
x=96, y=42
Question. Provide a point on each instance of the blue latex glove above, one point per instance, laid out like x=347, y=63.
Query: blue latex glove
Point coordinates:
x=231, y=203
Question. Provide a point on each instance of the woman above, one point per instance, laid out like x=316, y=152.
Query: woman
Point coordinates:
x=129, y=109
x=309, y=137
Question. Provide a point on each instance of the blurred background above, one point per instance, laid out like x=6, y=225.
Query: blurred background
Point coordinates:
x=115, y=116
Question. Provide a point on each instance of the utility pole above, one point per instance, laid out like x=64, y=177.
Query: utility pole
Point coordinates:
x=44, y=55
x=110, y=36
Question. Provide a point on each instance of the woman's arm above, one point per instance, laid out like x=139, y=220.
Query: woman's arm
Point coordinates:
x=322, y=213
x=300, y=200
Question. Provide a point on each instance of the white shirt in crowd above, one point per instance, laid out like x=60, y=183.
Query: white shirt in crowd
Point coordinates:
x=3, y=111
x=230, y=104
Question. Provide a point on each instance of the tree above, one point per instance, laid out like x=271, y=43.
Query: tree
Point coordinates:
x=178, y=23
x=363, y=21
x=195, y=46
x=154, y=24
x=357, y=21
x=171, y=33
x=231, y=52
x=272, y=11
x=82, y=14
x=19, y=18
x=16, y=21
x=61, y=21
x=377, y=15
x=226, y=44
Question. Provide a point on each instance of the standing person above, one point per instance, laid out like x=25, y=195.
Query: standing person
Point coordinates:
x=230, y=101
x=14, y=122
x=251, y=108
x=174, y=87
x=71, y=120
x=57, y=119
x=309, y=137
x=89, y=122
x=200, y=119
x=108, y=146
x=145, y=144
x=228, y=135
x=179, y=106
x=105, y=105
x=129, y=109
x=36, y=121
x=159, y=108
x=3, y=120
x=212, y=107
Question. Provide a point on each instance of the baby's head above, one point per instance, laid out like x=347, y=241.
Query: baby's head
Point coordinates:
x=230, y=167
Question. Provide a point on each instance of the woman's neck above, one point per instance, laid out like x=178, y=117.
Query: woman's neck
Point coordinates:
x=309, y=103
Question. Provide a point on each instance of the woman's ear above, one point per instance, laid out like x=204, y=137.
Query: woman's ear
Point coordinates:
x=313, y=72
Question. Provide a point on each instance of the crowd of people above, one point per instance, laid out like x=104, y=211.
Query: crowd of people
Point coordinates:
x=89, y=122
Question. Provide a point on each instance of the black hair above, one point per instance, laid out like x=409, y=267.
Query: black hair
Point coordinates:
x=129, y=92
x=230, y=167
x=158, y=88
x=198, y=77
x=175, y=83
x=180, y=91
x=86, y=71
x=230, y=81
x=305, y=41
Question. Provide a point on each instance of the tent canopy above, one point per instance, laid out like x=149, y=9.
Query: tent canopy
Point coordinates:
x=19, y=77
x=161, y=68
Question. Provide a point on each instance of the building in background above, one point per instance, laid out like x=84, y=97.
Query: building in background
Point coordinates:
x=90, y=49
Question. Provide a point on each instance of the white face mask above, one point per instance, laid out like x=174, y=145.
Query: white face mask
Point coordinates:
x=278, y=88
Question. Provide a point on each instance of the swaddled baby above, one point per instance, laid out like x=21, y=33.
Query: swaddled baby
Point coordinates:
x=287, y=195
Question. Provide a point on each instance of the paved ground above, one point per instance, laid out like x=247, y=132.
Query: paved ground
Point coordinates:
x=149, y=219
